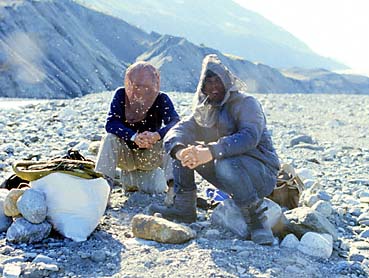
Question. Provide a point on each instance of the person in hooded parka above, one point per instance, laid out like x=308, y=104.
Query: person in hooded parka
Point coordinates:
x=227, y=142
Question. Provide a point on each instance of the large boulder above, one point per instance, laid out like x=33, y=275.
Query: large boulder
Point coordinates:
x=160, y=230
x=303, y=219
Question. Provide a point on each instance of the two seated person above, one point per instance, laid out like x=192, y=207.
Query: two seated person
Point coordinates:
x=235, y=155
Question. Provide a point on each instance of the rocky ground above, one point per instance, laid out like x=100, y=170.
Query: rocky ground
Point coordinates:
x=334, y=153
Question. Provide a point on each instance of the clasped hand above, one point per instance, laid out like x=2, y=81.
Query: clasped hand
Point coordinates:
x=194, y=156
x=147, y=139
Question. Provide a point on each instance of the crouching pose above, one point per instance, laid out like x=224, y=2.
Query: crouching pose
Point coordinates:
x=139, y=117
x=235, y=152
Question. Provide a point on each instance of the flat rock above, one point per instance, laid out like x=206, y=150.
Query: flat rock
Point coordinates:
x=11, y=271
x=363, y=219
x=22, y=231
x=301, y=139
x=160, y=230
x=365, y=234
x=43, y=259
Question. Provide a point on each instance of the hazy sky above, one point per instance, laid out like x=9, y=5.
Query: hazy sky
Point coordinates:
x=333, y=28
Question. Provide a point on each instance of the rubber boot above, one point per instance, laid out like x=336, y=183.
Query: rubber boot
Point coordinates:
x=182, y=210
x=256, y=223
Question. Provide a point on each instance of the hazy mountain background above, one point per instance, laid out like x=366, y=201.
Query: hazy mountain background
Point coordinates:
x=62, y=49
x=220, y=24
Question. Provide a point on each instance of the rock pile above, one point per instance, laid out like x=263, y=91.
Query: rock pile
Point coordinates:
x=28, y=208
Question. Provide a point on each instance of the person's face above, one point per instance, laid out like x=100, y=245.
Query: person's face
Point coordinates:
x=214, y=88
x=140, y=84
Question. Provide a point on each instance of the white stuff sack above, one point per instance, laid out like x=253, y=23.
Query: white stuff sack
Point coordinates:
x=74, y=205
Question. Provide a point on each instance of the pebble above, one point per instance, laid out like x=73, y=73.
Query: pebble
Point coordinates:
x=98, y=256
x=365, y=234
x=290, y=241
x=43, y=259
x=14, y=260
x=212, y=233
x=356, y=257
x=323, y=207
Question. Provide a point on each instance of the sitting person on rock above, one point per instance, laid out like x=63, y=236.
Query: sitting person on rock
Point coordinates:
x=139, y=117
x=226, y=141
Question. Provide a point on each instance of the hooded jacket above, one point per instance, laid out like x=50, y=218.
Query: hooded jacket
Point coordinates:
x=235, y=127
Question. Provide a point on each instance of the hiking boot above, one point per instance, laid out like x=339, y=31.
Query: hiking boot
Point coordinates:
x=182, y=210
x=256, y=222
x=169, y=198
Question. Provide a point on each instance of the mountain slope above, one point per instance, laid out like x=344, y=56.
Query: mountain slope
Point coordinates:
x=179, y=62
x=59, y=49
x=220, y=24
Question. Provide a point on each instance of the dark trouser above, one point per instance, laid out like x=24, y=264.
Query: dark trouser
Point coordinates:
x=244, y=178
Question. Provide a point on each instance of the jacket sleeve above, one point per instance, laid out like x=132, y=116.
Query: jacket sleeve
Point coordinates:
x=181, y=135
x=114, y=122
x=169, y=114
x=250, y=121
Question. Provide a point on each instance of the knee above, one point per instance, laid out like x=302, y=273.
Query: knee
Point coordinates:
x=226, y=168
x=110, y=137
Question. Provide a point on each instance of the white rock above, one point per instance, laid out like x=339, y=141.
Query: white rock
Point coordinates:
x=323, y=207
x=363, y=194
x=67, y=114
x=308, y=183
x=11, y=271
x=305, y=174
x=290, y=241
x=311, y=200
x=318, y=245
x=351, y=201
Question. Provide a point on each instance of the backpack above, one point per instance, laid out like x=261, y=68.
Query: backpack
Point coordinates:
x=288, y=189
